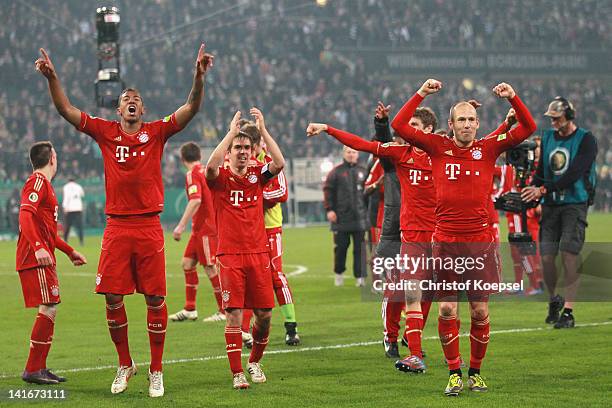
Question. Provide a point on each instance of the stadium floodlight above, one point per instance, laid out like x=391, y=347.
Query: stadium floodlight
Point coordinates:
x=108, y=88
x=107, y=24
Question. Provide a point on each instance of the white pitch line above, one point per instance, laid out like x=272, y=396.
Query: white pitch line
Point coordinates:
x=307, y=349
x=299, y=269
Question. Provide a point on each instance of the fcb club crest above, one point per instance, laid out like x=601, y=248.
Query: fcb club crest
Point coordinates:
x=143, y=137
x=252, y=178
x=476, y=153
x=225, y=296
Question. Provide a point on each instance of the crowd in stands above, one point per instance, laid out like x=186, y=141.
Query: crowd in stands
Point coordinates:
x=272, y=54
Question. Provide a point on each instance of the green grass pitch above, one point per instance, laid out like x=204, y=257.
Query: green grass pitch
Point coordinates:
x=340, y=362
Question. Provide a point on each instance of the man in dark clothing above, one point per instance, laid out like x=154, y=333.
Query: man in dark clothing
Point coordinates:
x=565, y=177
x=346, y=211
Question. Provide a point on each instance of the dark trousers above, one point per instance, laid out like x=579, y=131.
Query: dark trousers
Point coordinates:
x=74, y=218
x=342, y=240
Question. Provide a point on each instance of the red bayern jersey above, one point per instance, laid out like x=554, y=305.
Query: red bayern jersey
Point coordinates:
x=203, y=222
x=132, y=163
x=238, y=204
x=413, y=167
x=38, y=199
x=463, y=176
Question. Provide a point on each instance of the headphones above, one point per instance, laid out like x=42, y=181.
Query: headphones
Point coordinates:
x=568, y=108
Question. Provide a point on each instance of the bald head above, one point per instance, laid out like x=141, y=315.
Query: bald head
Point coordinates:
x=464, y=123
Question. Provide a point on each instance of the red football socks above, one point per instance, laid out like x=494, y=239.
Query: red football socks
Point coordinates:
x=118, y=328
x=157, y=320
x=392, y=313
x=40, y=343
x=449, y=337
x=414, y=329
x=246, y=320
x=233, y=346
x=260, y=341
x=479, y=339
x=191, y=288
x=425, y=306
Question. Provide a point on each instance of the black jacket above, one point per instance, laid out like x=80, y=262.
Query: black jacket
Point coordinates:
x=343, y=193
x=393, y=194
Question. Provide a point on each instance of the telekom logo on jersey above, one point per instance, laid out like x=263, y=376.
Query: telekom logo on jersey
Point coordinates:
x=123, y=153
x=237, y=197
x=454, y=169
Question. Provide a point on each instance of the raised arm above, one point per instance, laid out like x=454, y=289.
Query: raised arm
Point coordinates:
x=278, y=161
x=186, y=112
x=216, y=158
x=60, y=100
x=401, y=121
x=526, y=125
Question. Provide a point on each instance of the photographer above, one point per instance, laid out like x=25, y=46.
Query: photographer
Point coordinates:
x=565, y=178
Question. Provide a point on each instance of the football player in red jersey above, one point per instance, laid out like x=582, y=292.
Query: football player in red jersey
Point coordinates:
x=463, y=168
x=202, y=244
x=35, y=260
x=132, y=256
x=417, y=221
x=243, y=254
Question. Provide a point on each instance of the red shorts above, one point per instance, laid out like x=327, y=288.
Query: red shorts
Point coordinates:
x=246, y=281
x=279, y=280
x=472, y=260
x=202, y=248
x=40, y=286
x=132, y=257
x=417, y=244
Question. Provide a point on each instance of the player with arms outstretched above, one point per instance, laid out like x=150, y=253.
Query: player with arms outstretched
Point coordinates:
x=132, y=256
x=463, y=167
x=35, y=258
x=243, y=254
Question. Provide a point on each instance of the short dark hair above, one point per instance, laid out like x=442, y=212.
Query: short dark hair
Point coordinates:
x=427, y=116
x=190, y=152
x=129, y=89
x=250, y=128
x=241, y=135
x=40, y=154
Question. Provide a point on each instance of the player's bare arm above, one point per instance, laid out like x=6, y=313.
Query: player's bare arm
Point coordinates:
x=216, y=158
x=278, y=161
x=190, y=210
x=44, y=65
x=186, y=112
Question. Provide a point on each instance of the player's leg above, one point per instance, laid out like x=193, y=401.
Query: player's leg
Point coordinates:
x=359, y=258
x=479, y=340
x=189, y=311
x=41, y=290
x=261, y=334
x=247, y=338
x=449, y=337
x=341, y=244
x=117, y=320
x=233, y=277
x=208, y=249
x=281, y=286
x=233, y=346
x=157, y=321
x=40, y=342
x=414, y=328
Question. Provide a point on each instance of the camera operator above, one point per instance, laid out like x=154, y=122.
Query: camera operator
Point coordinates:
x=565, y=178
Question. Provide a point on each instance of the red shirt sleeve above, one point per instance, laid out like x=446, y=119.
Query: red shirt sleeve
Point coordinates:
x=353, y=141
x=93, y=126
x=416, y=137
x=276, y=191
x=376, y=172
x=167, y=127
x=515, y=136
x=34, y=192
x=193, y=186
x=218, y=182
